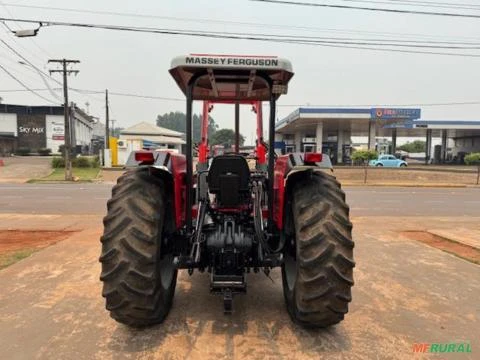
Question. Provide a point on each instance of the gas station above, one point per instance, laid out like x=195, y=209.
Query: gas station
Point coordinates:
x=332, y=129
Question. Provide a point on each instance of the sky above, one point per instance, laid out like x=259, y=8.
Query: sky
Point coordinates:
x=138, y=63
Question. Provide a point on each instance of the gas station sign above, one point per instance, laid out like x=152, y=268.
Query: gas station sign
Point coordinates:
x=391, y=113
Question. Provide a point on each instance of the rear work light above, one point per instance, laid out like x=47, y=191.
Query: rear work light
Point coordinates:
x=311, y=158
x=144, y=157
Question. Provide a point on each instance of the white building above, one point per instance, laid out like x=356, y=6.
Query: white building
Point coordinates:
x=147, y=136
x=39, y=127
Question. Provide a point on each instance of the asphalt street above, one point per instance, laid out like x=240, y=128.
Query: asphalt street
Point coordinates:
x=364, y=201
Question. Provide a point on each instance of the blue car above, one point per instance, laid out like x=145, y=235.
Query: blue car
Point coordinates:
x=388, y=161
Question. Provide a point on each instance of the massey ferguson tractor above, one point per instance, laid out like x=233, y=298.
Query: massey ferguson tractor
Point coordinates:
x=224, y=218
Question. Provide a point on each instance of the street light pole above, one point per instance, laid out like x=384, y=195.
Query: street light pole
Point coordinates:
x=107, y=122
x=66, y=112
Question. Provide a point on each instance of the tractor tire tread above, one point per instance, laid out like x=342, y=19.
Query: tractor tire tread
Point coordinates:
x=324, y=252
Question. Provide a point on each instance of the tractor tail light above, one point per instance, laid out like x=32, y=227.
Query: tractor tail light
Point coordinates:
x=144, y=157
x=311, y=158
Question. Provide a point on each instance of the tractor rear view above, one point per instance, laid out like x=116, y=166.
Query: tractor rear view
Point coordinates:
x=224, y=218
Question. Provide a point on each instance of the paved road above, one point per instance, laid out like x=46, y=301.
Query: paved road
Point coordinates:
x=405, y=293
x=364, y=201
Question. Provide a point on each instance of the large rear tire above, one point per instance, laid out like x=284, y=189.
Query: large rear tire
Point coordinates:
x=138, y=274
x=318, y=269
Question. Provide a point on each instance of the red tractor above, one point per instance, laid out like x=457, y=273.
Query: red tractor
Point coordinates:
x=224, y=218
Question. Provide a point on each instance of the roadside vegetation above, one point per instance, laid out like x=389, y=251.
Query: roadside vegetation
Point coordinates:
x=474, y=159
x=417, y=146
x=362, y=157
x=84, y=168
x=12, y=257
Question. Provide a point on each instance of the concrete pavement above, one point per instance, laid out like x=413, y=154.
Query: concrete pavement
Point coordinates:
x=20, y=169
x=405, y=293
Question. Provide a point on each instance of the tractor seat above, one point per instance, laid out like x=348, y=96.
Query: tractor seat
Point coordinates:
x=229, y=178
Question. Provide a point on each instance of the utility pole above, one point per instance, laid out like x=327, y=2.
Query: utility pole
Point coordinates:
x=107, y=121
x=66, y=112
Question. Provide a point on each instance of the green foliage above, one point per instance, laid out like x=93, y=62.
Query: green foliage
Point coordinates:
x=58, y=162
x=417, y=146
x=116, y=131
x=81, y=162
x=225, y=137
x=23, y=151
x=363, y=156
x=177, y=121
x=44, y=151
x=472, y=159
x=95, y=161
x=9, y=258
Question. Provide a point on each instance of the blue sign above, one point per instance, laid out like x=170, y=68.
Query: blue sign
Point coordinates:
x=389, y=113
x=279, y=145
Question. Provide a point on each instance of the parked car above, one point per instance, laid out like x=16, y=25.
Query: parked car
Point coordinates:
x=388, y=161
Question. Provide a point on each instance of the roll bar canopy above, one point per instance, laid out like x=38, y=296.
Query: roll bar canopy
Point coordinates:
x=235, y=79
x=232, y=77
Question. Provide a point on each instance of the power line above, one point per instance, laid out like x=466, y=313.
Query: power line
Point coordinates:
x=432, y=3
x=349, y=7
x=419, y=4
x=245, y=36
x=223, y=22
x=31, y=40
x=87, y=91
x=153, y=97
x=42, y=73
x=25, y=86
x=384, y=105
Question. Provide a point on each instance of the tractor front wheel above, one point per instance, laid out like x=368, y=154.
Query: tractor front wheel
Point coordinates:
x=318, y=268
x=138, y=273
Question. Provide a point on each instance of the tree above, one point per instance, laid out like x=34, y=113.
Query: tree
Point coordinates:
x=417, y=146
x=474, y=159
x=225, y=137
x=177, y=121
x=116, y=131
x=363, y=156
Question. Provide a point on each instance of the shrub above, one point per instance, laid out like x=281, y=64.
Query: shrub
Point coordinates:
x=58, y=162
x=363, y=156
x=95, y=161
x=472, y=159
x=23, y=151
x=44, y=151
x=81, y=162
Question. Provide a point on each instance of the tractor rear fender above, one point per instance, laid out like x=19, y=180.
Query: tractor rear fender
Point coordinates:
x=171, y=168
x=288, y=170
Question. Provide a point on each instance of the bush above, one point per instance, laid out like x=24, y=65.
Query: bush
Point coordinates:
x=472, y=159
x=58, y=162
x=81, y=162
x=44, y=151
x=95, y=161
x=363, y=156
x=61, y=150
x=23, y=151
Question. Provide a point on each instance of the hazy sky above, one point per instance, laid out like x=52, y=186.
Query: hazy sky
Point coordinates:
x=139, y=63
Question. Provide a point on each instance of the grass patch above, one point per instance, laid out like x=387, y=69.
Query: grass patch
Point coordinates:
x=450, y=246
x=11, y=258
x=83, y=174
